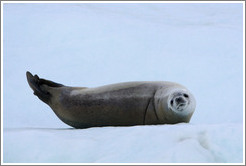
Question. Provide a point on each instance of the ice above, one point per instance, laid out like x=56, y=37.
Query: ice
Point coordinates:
x=181, y=143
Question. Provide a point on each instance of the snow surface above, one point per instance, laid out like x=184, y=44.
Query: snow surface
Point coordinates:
x=197, y=45
x=178, y=143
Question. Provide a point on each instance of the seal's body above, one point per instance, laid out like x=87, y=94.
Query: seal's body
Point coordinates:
x=123, y=104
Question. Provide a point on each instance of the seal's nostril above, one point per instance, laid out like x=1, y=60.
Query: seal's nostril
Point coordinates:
x=185, y=95
x=179, y=100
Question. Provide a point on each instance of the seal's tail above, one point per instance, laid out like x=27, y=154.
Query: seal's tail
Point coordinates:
x=36, y=84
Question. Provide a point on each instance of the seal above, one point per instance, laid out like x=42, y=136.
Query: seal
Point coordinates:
x=121, y=104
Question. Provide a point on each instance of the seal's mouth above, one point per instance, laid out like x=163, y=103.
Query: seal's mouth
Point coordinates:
x=181, y=106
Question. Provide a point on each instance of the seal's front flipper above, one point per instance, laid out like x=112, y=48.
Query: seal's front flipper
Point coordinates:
x=37, y=86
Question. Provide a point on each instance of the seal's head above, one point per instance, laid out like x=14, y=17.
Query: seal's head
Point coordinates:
x=181, y=102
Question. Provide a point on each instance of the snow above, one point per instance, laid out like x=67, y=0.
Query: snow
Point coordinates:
x=179, y=143
x=199, y=45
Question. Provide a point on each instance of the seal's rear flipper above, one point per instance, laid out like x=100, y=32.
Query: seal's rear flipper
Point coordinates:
x=36, y=84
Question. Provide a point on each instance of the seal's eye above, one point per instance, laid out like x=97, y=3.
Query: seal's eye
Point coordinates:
x=171, y=102
x=185, y=95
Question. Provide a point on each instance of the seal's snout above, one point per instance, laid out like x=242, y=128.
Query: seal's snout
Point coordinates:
x=180, y=100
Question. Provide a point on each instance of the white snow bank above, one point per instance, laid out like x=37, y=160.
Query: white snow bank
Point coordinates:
x=181, y=143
